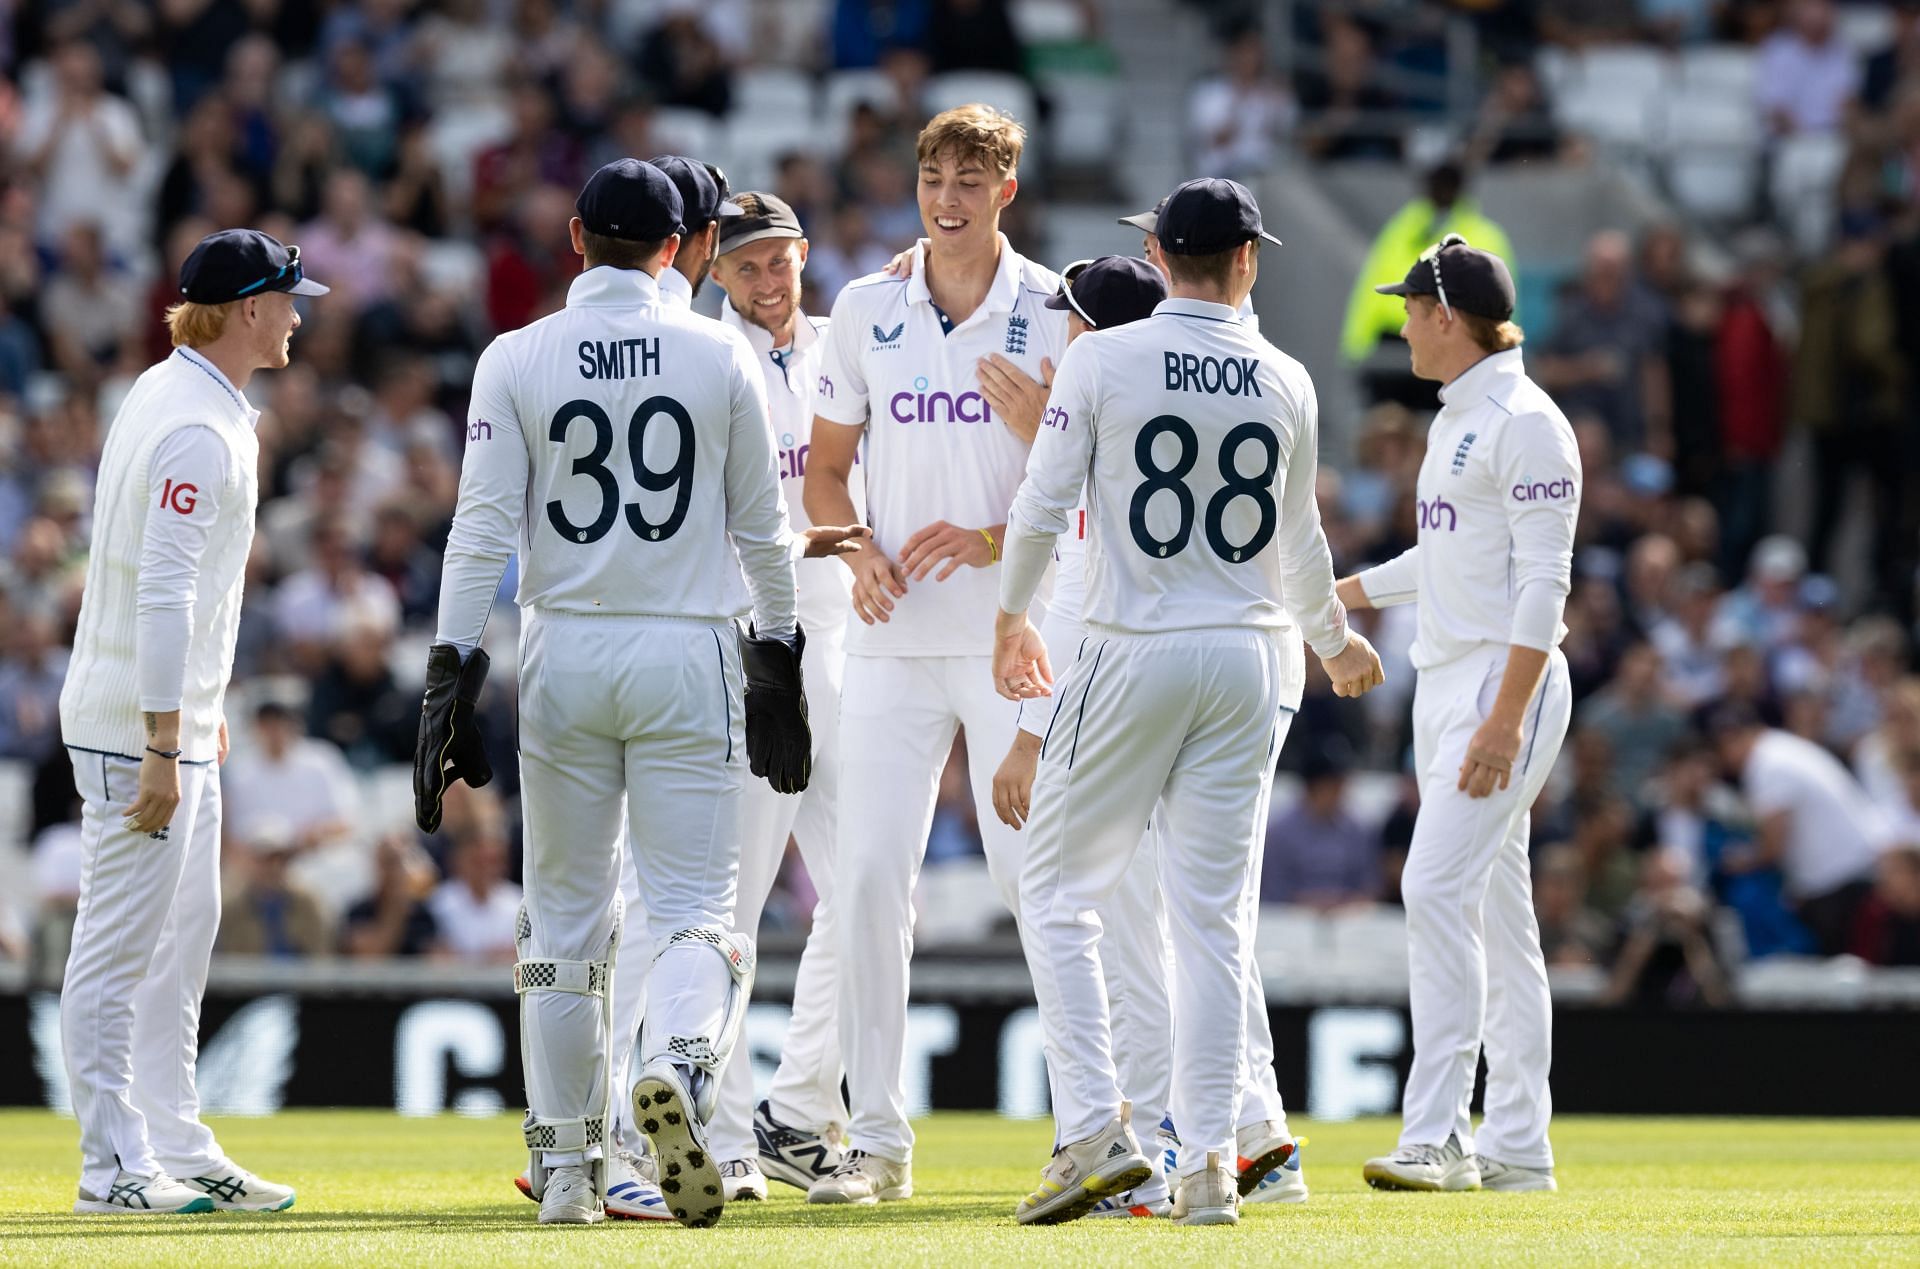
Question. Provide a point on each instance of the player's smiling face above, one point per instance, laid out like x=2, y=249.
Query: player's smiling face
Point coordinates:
x=960, y=200
x=762, y=280
x=277, y=319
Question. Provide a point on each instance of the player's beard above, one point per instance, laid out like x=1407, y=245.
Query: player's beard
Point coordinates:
x=780, y=320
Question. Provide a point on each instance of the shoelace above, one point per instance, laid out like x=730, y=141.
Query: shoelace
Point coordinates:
x=736, y=1167
x=1421, y=1154
x=855, y=1162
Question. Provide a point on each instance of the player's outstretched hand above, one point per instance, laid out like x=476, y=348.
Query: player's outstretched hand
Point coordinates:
x=1021, y=670
x=158, y=796
x=1017, y=400
x=1013, y=782
x=449, y=746
x=779, y=738
x=877, y=580
x=949, y=542
x=1490, y=757
x=824, y=540
x=1355, y=670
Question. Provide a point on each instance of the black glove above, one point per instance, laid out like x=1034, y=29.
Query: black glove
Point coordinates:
x=449, y=746
x=779, y=741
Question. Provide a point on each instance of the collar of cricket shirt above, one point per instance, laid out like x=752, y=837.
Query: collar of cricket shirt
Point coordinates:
x=1479, y=378
x=607, y=287
x=240, y=402
x=805, y=333
x=1198, y=308
x=1002, y=295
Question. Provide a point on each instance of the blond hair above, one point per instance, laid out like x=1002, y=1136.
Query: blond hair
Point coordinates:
x=196, y=325
x=1493, y=336
x=980, y=132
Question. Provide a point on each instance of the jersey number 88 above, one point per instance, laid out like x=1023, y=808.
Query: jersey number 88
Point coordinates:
x=593, y=464
x=1258, y=487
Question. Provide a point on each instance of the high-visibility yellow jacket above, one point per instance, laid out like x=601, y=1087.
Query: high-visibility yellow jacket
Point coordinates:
x=1412, y=229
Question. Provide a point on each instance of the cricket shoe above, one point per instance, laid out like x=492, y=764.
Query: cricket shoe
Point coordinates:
x=794, y=1155
x=743, y=1180
x=1286, y=1183
x=1082, y=1173
x=1424, y=1167
x=1510, y=1178
x=863, y=1179
x=134, y=1195
x=689, y=1174
x=1153, y=1198
x=234, y=1189
x=568, y=1198
x=1262, y=1148
x=1208, y=1197
x=632, y=1192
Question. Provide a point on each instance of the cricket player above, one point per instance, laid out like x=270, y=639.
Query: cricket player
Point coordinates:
x=899, y=370
x=143, y=718
x=1499, y=492
x=800, y=1127
x=1134, y=952
x=1195, y=442
x=704, y=197
x=620, y=447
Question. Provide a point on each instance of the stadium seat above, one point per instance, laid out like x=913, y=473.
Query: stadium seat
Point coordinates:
x=1805, y=170
x=1049, y=22
x=1629, y=71
x=455, y=267
x=456, y=139
x=1084, y=128
x=1005, y=92
x=679, y=131
x=1712, y=142
x=756, y=143
x=1724, y=69
x=1607, y=115
x=847, y=89
x=773, y=94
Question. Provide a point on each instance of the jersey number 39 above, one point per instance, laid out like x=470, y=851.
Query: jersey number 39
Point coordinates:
x=1258, y=487
x=593, y=464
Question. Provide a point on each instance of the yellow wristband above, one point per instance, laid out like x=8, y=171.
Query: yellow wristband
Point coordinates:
x=992, y=547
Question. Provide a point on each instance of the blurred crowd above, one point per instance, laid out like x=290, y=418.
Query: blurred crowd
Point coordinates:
x=1739, y=675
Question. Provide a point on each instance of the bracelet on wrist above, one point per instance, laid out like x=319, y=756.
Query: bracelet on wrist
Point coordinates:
x=164, y=753
x=993, y=548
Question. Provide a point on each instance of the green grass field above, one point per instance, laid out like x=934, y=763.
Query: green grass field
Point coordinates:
x=376, y=1189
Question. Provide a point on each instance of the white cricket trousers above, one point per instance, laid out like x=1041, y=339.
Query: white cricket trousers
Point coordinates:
x=897, y=722
x=1190, y=720
x=806, y=1086
x=130, y=1006
x=645, y=711
x=1473, y=946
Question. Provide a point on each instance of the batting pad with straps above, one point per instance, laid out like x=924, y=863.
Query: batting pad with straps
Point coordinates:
x=707, y=1046
x=533, y=975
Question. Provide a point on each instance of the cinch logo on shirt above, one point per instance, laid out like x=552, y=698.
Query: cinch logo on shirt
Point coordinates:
x=825, y=387
x=1055, y=416
x=1544, y=490
x=888, y=338
x=479, y=428
x=1430, y=513
x=921, y=406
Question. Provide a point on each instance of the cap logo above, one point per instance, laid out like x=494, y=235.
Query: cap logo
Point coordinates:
x=750, y=204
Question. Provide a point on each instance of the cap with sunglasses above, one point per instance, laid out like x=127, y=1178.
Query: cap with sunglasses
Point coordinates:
x=1208, y=216
x=703, y=190
x=236, y=263
x=1110, y=291
x=1460, y=277
x=630, y=200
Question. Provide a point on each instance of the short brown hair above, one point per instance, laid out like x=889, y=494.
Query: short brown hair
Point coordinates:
x=1214, y=270
x=192, y=325
x=618, y=253
x=980, y=132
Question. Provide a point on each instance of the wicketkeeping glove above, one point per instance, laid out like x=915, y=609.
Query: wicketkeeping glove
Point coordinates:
x=779, y=740
x=449, y=746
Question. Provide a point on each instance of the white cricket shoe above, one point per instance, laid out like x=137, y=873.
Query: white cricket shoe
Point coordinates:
x=864, y=1179
x=132, y=1194
x=234, y=1189
x=1286, y=1183
x=1082, y=1173
x=1424, y=1167
x=794, y=1155
x=1262, y=1148
x=569, y=1198
x=1152, y=1198
x=689, y=1174
x=743, y=1180
x=633, y=1193
x=1511, y=1178
x=1209, y=1196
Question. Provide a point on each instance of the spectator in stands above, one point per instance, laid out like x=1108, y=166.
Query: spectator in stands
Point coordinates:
x=1879, y=757
x=1514, y=124
x=683, y=63
x=30, y=680
x=1750, y=389
x=81, y=143
x=1807, y=76
x=301, y=167
x=394, y=920
x=1887, y=930
x=1764, y=611
x=416, y=198
x=464, y=54
x=534, y=152
x=976, y=35
x=358, y=704
x=528, y=268
x=1606, y=355
x=1317, y=854
x=317, y=605
x=1667, y=957
x=269, y=913
x=1240, y=117
x=1571, y=933
x=1602, y=834
x=41, y=570
x=92, y=316
x=862, y=31
x=1637, y=720
x=409, y=567
x=1815, y=822
x=1343, y=103
x=474, y=909
x=350, y=242
x=284, y=778
x=1686, y=638
x=1443, y=207
x=365, y=111
x=207, y=150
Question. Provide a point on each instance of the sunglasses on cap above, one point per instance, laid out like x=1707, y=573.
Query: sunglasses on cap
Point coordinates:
x=1431, y=257
x=290, y=273
x=1068, y=277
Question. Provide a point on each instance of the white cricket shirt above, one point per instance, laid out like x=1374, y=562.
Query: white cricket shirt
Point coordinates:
x=1833, y=832
x=1499, y=493
x=790, y=373
x=621, y=446
x=1196, y=442
x=934, y=450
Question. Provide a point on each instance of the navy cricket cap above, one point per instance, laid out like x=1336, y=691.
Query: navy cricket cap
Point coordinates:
x=630, y=200
x=1208, y=216
x=1461, y=277
x=235, y=263
x=1111, y=291
x=761, y=216
x=703, y=190
x=1146, y=221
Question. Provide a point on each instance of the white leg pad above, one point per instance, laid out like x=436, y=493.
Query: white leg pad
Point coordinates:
x=586, y=1134
x=707, y=1045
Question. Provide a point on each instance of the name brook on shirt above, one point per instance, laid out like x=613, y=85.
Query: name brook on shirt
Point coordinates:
x=1212, y=375
x=619, y=358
